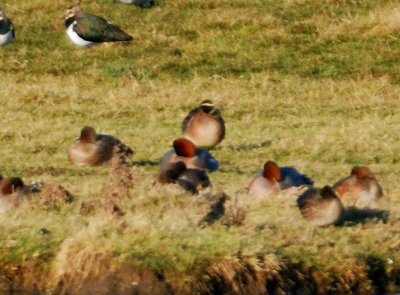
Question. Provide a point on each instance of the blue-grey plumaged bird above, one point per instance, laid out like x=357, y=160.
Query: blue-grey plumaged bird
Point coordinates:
x=140, y=3
x=85, y=29
x=7, y=33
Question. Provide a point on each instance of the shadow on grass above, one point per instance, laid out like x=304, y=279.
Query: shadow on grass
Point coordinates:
x=145, y=163
x=353, y=216
x=245, y=146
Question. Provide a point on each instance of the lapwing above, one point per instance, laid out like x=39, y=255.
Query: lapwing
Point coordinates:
x=321, y=207
x=204, y=125
x=267, y=184
x=140, y=3
x=85, y=29
x=360, y=188
x=7, y=32
x=95, y=149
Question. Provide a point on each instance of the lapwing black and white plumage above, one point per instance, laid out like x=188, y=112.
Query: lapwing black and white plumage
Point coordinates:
x=7, y=33
x=85, y=29
x=204, y=125
x=140, y=3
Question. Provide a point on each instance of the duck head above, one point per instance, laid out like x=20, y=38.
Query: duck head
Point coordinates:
x=327, y=192
x=362, y=172
x=10, y=185
x=207, y=106
x=272, y=171
x=184, y=148
x=88, y=134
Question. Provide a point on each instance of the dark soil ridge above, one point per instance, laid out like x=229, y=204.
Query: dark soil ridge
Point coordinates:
x=231, y=275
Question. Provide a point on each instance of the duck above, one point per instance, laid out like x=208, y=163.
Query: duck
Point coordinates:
x=320, y=206
x=85, y=29
x=360, y=188
x=267, y=184
x=204, y=125
x=12, y=190
x=95, y=149
x=140, y=3
x=7, y=32
x=191, y=180
x=184, y=150
x=291, y=177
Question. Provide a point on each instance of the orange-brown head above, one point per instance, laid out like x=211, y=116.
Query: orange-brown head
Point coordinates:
x=184, y=148
x=272, y=171
x=10, y=185
x=362, y=172
x=88, y=134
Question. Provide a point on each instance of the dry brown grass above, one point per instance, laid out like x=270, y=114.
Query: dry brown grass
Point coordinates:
x=313, y=84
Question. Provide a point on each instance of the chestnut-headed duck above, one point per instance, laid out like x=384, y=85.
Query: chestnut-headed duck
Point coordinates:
x=319, y=206
x=12, y=190
x=194, y=158
x=266, y=184
x=95, y=149
x=360, y=188
x=191, y=180
x=291, y=177
x=204, y=125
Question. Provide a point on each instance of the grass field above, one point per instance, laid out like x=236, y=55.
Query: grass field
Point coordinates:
x=309, y=83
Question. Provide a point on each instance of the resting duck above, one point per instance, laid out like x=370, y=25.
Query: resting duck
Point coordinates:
x=319, y=206
x=291, y=177
x=185, y=151
x=360, y=188
x=266, y=184
x=95, y=149
x=7, y=33
x=192, y=180
x=204, y=125
x=85, y=29
x=12, y=189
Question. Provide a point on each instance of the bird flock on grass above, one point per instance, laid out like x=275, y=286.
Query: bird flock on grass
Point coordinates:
x=188, y=163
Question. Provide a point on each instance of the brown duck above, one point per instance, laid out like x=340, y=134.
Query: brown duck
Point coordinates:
x=360, y=188
x=95, y=149
x=12, y=189
x=186, y=166
x=319, y=206
x=204, y=125
x=185, y=151
x=266, y=184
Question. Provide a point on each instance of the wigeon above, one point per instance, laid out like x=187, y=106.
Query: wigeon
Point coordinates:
x=291, y=177
x=12, y=190
x=95, y=149
x=319, y=206
x=204, y=125
x=266, y=184
x=360, y=188
x=194, y=158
